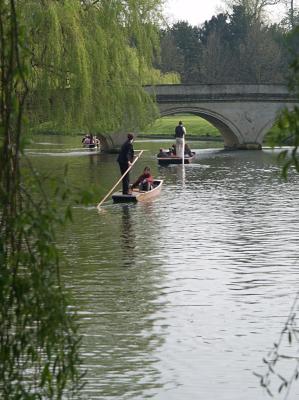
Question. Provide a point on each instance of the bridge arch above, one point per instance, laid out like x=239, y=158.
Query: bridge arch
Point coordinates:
x=243, y=114
x=232, y=136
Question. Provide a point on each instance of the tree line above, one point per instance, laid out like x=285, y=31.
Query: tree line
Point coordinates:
x=237, y=46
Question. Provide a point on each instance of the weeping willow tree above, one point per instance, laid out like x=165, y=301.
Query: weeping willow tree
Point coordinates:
x=39, y=341
x=76, y=63
x=90, y=60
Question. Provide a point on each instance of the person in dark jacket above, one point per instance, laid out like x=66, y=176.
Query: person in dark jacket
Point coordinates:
x=125, y=159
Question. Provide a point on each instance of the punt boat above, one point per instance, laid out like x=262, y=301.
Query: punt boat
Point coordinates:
x=165, y=160
x=91, y=146
x=139, y=195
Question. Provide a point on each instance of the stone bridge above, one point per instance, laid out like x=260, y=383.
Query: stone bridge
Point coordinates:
x=243, y=114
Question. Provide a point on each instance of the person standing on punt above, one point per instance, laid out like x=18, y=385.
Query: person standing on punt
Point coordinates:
x=125, y=159
x=180, y=133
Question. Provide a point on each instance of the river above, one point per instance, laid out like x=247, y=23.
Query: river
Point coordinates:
x=180, y=298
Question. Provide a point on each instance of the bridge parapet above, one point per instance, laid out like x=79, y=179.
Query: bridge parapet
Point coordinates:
x=211, y=92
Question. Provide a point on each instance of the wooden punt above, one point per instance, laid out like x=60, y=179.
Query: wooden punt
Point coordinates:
x=91, y=146
x=138, y=195
x=175, y=160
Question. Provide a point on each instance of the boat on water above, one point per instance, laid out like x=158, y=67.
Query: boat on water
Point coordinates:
x=138, y=195
x=90, y=142
x=91, y=146
x=173, y=159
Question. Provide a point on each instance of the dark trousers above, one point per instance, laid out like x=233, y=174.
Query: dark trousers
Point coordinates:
x=126, y=179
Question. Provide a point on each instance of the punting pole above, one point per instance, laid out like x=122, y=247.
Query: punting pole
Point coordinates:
x=183, y=153
x=120, y=179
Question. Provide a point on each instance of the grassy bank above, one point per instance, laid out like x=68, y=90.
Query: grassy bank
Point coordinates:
x=196, y=127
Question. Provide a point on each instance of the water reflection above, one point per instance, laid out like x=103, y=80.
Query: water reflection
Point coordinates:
x=127, y=235
x=120, y=308
x=181, y=298
x=181, y=175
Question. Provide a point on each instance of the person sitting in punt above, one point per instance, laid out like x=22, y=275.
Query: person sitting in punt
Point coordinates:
x=188, y=151
x=88, y=140
x=85, y=138
x=172, y=150
x=144, y=181
x=96, y=141
x=162, y=153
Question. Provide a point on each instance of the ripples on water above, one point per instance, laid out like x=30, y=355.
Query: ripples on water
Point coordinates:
x=180, y=299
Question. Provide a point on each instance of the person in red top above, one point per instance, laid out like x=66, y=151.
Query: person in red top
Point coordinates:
x=145, y=180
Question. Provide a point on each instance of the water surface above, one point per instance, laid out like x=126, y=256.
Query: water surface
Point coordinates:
x=180, y=298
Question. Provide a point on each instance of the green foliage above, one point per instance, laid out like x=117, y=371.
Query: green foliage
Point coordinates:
x=287, y=129
x=39, y=341
x=153, y=76
x=233, y=47
x=287, y=132
x=276, y=378
x=38, y=333
x=181, y=51
x=89, y=62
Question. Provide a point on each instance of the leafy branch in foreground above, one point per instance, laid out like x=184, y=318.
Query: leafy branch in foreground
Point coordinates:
x=278, y=377
x=39, y=341
x=284, y=356
x=288, y=121
x=288, y=129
